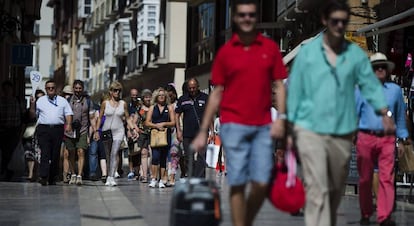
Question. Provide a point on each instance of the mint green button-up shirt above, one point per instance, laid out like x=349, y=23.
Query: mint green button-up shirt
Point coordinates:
x=321, y=98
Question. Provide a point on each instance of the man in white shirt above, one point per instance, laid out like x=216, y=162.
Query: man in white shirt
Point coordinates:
x=53, y=113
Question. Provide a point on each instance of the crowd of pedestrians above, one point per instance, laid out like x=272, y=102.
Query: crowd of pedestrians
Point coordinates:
x=335, y=98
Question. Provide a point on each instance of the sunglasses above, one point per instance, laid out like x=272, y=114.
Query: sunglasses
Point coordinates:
x=50, y=88
x=116, y=90
x=336, y=21
x=243, y=15
x=381, y=66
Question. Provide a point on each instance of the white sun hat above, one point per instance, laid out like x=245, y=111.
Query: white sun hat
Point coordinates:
x=380, y=59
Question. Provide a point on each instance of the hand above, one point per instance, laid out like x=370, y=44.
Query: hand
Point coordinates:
x=180, y=135
x=400, y=149
x=388, y=123
x=96, y=136
x=200, y=142
x=32, y=101
x=160, y=126
x=68, y=128
x=278, y=129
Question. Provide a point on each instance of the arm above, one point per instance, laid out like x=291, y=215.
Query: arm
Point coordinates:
x=278, y=127
x=295, y=83
x=214, y=100
x=171, y=113
x=99, y=120
x=178, y=126
x=129, y=121
x=400, y=117
x=148, y=120
x=32, y=108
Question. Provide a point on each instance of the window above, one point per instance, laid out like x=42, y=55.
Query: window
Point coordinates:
x=84, y=8
x=86, y=71
x=151, y=34
x=151, y=14
x=151, y=21
x=151, y=28
x=151, y=7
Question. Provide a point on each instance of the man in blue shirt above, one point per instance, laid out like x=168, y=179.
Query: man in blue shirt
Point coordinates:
x=374, y=146
x=321, y=107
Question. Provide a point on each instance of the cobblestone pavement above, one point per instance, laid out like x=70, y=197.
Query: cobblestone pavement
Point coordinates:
x=133, y=203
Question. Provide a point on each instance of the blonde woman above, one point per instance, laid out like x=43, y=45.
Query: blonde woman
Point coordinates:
x=160, y=116
x=116, y=113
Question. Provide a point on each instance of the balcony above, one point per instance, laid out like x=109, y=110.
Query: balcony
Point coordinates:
x=202, y=52
x=89, y=26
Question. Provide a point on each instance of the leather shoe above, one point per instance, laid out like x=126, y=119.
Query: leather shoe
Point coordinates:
x=364, y=221
x=43, y=181
x=388, y=222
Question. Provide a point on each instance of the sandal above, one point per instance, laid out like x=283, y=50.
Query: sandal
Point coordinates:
x=144, y=180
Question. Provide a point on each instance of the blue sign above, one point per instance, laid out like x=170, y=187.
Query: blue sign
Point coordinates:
x=22, y=55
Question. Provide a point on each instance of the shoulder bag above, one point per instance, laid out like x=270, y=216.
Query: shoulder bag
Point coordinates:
x=158, y=138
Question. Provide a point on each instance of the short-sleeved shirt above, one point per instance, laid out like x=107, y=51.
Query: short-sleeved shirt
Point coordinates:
x=193, y=111
x=246, y=73
x=52, y=111
x=82, y=107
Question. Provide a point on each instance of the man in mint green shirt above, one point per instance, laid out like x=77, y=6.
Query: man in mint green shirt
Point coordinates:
x=321, y=108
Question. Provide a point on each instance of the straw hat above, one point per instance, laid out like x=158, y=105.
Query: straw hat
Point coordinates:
x=381, y=59
x=67, y=89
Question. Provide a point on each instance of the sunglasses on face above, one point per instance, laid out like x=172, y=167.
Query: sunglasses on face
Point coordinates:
x=50, y=88
x=380, y=67
x=336, y=21
x=243, y=15
x=116, y=90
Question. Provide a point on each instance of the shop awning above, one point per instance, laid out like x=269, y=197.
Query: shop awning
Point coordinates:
x=378, y=27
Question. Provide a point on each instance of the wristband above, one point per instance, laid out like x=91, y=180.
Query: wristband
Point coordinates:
x=281, y=116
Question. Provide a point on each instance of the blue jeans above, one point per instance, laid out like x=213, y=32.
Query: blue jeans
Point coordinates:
x=249, y=153
x=96, y=153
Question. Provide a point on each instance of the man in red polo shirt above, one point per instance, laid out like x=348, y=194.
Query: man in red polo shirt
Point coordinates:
x=243, y=72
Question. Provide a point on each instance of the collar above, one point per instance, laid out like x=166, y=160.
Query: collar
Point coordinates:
x=235, y=39
x=320, y=40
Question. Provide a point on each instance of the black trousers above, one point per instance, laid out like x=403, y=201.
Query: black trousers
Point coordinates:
x=50, y=140
x=199, y=166
x=9, y=139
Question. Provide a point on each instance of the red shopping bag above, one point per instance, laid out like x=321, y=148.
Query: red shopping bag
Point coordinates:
x=286, y=191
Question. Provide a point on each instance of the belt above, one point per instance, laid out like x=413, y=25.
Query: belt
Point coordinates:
x=51, y=125
x=378, y=133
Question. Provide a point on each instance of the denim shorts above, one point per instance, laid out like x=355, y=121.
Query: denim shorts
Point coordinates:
x=249, y=153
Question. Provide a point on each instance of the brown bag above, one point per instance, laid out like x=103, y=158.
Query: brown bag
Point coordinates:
x=406, y=161
x=158, y=138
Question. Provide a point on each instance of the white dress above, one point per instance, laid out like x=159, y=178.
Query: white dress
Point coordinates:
x=113, y=120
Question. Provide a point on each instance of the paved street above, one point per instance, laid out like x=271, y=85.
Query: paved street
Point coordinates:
x=133, y=203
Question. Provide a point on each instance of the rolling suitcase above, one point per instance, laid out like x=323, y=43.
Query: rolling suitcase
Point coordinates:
x=195, y=202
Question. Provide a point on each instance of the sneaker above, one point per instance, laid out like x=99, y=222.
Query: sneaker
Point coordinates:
x=131, y=175
x=161, y=184
x=117, y=175
x=110, y=181
x=79, y=180
x=72, y=179
x=153, y=183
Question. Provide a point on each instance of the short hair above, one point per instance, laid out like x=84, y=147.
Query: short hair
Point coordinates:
x=50, y=81
x=146, y=92
x=115, y=85
x=244, y=2
x=171, y=88
x=156, y=93
x=78, y=82
x=334, y=5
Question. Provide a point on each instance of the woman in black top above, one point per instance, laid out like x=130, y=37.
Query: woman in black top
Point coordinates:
x=160, y=116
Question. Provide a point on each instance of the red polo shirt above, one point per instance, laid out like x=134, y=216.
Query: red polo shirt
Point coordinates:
x=246, y=73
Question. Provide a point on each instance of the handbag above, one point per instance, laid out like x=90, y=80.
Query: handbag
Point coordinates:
x=287, y=192
x=406, y=161
x=158, y=138
x=106, y=135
